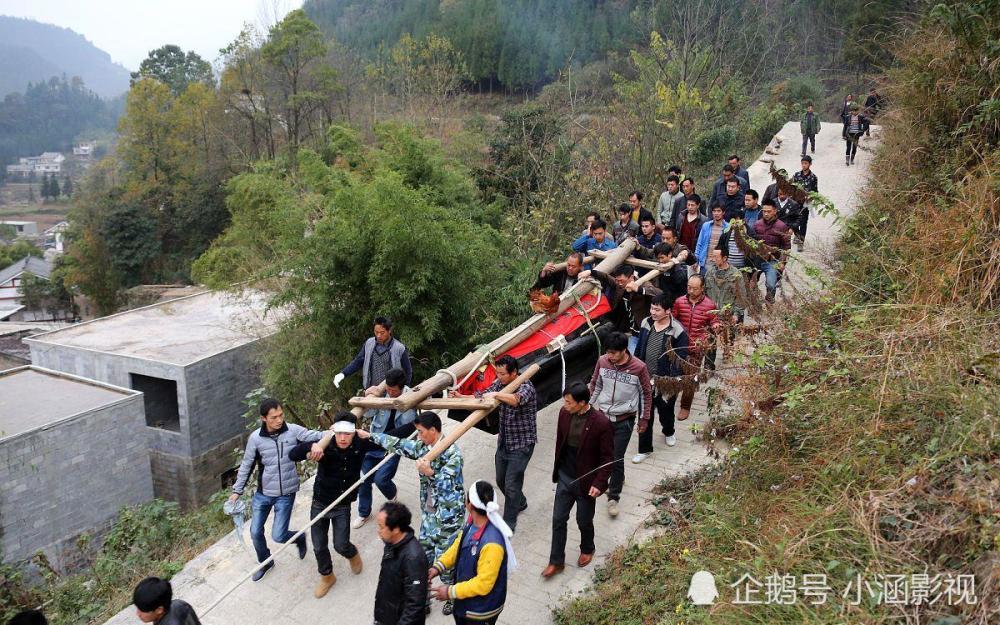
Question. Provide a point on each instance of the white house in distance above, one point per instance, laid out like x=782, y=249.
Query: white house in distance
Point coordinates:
x=85, y=149
x=39, y=166
x=12, y=307
x=54, y=238
x=22, y=228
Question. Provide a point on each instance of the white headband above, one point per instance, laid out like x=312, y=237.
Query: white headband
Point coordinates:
x=344, y=427
x=493, y=514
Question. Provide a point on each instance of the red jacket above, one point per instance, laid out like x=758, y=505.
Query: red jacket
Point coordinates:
x=696, y=318
x=597, y=449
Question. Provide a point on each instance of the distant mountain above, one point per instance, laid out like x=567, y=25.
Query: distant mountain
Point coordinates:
x=34, y=52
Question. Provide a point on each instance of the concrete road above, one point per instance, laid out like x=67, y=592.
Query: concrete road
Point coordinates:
x=284, y=596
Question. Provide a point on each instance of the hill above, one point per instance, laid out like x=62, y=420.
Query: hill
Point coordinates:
x=518, y=43
x=33, y=52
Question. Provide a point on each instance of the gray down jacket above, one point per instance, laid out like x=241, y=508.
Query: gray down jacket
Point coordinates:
x=268, y=451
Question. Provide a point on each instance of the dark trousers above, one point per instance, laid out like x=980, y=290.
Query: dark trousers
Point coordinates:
x=664, y=409
x=852, y=144
x=623, y=434
x=511, y=466
x=567, y=495
x=811, y=139
x=340, y=519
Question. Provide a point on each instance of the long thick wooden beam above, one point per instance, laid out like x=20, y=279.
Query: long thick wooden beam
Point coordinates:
x=433, y=403
x=460, y=369
x=470, y=421
x=635, y=262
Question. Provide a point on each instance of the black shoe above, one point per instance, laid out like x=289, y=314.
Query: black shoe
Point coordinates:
x=523, y=508
x=448, y=608
x=262, y=571
x=301, y=544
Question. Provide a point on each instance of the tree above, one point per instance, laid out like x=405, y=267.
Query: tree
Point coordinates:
x=53, y=187
x=67, y=187
x=132, y=241
x=294, y=50
x=31, y=192
x=427, y=266
x=171, y=66
x=44, y=190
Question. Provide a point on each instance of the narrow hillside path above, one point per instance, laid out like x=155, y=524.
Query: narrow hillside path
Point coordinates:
x=284, y=596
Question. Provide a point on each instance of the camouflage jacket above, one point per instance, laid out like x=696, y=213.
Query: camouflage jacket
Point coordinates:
x=442, y=494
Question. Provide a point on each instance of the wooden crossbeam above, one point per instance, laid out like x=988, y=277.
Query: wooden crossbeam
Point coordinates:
x=433, y=403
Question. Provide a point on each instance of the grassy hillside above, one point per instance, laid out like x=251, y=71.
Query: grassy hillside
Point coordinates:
x=869, y=441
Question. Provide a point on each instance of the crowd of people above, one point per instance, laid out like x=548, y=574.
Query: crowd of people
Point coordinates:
x=709, y=251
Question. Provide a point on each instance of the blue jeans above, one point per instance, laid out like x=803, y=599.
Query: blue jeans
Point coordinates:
x=261, y=505
x=771, y=276
x=382, y=479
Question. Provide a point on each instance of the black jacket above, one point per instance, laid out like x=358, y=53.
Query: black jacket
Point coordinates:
x=732, y=205
x=794, y=215
x=180, y=613
x=555, y=279
x=863, y=123
x=339, y=469
x=402, y=584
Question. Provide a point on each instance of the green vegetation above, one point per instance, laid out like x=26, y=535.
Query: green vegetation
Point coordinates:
x=13, y=252
x=151, y=539
x=866, y=443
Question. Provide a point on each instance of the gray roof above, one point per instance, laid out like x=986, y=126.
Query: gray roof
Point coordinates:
x=180, y=331
x=32, y=397
x=30, y=264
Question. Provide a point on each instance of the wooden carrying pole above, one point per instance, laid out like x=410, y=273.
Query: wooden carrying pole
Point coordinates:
x=446, y=377
x=470, y=421
x=434, y=403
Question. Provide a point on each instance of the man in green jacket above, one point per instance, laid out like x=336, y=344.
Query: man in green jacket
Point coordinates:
x=810, y=128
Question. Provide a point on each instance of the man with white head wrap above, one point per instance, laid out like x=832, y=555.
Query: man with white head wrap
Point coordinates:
x=339, y=468
x=481, y=557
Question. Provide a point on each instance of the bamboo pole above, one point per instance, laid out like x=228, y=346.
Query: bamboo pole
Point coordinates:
x=635, y=262
x=443, y=379
x=470, y=421
x=433, y=403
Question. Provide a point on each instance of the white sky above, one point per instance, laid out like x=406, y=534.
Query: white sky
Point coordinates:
x=129, y=29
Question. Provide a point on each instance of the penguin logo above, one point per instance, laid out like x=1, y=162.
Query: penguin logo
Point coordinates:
x=702, y=590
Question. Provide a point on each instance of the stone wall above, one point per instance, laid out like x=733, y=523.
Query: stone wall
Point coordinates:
x=72, y=477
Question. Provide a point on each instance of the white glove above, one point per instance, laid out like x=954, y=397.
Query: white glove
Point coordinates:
x=337, y=379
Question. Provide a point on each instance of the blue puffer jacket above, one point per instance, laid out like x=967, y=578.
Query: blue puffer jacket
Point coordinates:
x=268, y=451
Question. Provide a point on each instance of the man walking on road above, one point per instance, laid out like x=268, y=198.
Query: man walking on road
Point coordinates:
x=621, y=390
x=810, y=127
x=807, y=180
x=442, y=493
x=379, y=354
x=518, y=435
x=401, y=595
x=583, y=455
x=855, y=125
x=663, y=346
x=277, y=480
x=339, y=468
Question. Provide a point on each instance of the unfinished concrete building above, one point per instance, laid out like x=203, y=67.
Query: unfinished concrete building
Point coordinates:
x=194, y=360
x=72, y=453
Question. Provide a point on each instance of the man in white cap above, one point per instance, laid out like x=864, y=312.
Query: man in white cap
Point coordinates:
x=481, y=558
x=339, y=468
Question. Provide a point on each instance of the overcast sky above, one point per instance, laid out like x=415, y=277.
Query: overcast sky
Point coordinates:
x=129, y=29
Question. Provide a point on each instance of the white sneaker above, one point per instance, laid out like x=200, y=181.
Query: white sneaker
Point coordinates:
x=670, y=440
x=636, y=459
x=359, y=521
x=612, y=508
